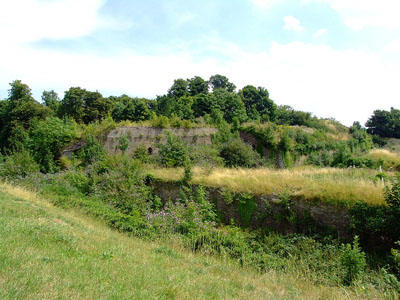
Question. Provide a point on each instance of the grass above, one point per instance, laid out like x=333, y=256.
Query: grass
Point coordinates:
x=390, y=159
x=50, y=253
x=331, y=185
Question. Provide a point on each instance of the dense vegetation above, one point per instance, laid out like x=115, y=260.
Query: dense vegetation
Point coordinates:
x=118, y=190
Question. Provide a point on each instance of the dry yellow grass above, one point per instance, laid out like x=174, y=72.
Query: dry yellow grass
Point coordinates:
x=340, y=186
x=390, y=159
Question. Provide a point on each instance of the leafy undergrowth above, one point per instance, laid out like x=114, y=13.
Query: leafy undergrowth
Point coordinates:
x=330, y=185
x=50, y=253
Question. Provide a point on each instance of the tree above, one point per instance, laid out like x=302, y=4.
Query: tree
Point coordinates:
x=47, y=138
x=51, y=100
x=221, y=82
x=96, y=108
x=19, y=92
x=257, y=103
x=197, y=85
x=384, y=123
x=132, y=109
x=84, y=106
x=231, y=105
x=204, y=104
x=73, y=104
x=18, y=112
x=178, y=89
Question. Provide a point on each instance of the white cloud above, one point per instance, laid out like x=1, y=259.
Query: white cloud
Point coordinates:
x=291, y=23
x=393, y=46
x=30, y=20
x=264, y=3
x=358, y=14
x=320, y=32
x=346, y=85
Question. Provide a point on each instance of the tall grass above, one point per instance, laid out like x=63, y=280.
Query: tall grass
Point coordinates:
x=331, y=185
x=388, y=158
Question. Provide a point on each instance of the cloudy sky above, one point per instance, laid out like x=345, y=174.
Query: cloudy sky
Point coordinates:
x=334, y=58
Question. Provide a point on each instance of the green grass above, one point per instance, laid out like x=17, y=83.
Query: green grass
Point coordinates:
x=50, y=253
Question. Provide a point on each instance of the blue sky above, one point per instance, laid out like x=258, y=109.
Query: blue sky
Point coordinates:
x=335, y=58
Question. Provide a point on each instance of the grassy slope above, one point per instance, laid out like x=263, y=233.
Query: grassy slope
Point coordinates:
x=50, y=253
x=331, y=185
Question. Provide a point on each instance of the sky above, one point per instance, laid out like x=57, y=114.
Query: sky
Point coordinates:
x=334, y=58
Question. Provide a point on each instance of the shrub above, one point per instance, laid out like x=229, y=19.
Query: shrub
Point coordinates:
x=92, y=150
x=48, y=138
x=237, y=154
x=141, y=154
x=353, y=261
x=18, y=164
x=123, y=143
x=173, y=153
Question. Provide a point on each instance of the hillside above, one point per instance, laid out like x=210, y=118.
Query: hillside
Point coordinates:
x=50, y=253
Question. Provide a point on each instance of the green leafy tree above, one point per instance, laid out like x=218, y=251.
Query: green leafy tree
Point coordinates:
x=384, y=123
x=257, y=103
x=178, y=89
x=18, y=113
x=204, y=104
x=51, y=100
x=221, y=82
x=231, y=105
x=132, y=109
x=84, y=106
x=47, y=139
x=197, y=85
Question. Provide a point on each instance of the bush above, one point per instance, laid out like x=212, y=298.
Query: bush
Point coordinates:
x=48, y=138
x=173, y=153
x=237, y=154
x=141, y=154
x=353, y=261
x=18, y=164
x=92, y=151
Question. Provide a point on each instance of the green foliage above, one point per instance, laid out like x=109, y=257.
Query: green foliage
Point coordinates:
x=51, y=100
x=257, y=103
x=84, y=106
x=384, y=123
x=48, y=138
x=18, y=164
x=392, y=194
x=221, y=82
x=17, y=114
x=123, y=143
x=197, y=85
x=141, y=153
x=92, y=150
x=235, y=153
x=132, y=109
x=173, y=153
x=246, y=206
x=353, y=261
x=187, y=171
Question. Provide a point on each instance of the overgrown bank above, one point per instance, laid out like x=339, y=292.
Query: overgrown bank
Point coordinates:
x=114, y=189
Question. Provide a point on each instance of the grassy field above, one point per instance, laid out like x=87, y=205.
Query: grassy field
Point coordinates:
x=338, y=186
x=50, y=253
